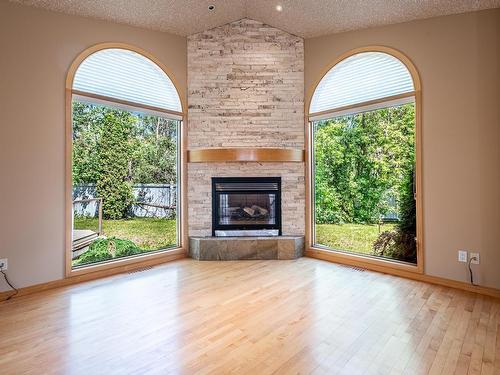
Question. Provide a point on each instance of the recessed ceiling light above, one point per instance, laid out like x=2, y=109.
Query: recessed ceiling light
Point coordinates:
x=211, y=7
x=279, y=8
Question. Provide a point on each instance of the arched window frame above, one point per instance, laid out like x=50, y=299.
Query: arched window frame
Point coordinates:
x=391, y=266
x=70, y=93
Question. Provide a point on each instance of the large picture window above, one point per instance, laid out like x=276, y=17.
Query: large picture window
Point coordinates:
x=364, y=164
x=125, y=158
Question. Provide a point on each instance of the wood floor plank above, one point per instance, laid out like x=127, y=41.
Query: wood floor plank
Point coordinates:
x=251, y=317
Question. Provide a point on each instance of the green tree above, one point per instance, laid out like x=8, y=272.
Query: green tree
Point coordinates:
x=113, y=152
x=154, y=159
x=86, y=130
x=360, y=161
x=114, y=148
x=153, y=145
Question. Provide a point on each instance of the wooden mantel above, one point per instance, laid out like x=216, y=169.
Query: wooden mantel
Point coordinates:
x=238, y=154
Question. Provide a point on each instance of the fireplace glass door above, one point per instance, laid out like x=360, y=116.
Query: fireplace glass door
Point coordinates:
x=246, y=206
x=247, y=209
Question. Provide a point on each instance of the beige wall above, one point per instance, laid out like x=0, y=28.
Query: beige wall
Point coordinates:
x=458, y=58
x=36, y=50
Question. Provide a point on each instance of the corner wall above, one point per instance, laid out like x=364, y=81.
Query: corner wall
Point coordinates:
x=458, y=58
x=37, y=48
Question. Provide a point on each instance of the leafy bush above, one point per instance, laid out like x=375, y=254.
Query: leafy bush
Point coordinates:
x=396, y=244
x=407, y=204
x=400, y=243
x=104, y=249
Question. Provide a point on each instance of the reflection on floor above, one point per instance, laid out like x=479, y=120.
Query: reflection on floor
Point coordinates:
x=251, y=317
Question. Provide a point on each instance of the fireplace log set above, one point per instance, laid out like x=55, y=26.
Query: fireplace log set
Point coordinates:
x=245, y=213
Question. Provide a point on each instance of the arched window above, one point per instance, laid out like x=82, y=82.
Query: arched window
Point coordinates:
x=360, y=79
x=124, y=118
x=120, y=74
x=363, y=118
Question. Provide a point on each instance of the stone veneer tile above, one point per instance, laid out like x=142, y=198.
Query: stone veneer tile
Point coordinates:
x=241, y=250
x=214, y=250
x=238, y=248
x=286, y=250
x=245, y=89
x=267, y=249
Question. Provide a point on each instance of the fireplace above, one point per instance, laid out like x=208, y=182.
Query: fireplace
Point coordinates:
x=246, y=206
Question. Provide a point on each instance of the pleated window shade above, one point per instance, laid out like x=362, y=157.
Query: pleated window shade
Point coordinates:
x=361, y=78
x=127, y=75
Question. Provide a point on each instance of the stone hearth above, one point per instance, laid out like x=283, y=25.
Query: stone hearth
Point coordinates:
x=239, y=248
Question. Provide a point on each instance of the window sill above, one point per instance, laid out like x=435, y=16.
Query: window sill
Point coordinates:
x=363, y=261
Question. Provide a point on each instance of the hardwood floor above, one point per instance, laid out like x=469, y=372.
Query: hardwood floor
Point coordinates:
x=251, y=317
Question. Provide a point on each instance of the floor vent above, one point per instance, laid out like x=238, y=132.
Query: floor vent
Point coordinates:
x=354, y=268
x=140, y=270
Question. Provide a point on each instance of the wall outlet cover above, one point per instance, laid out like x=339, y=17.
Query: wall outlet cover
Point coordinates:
x=476, y=256
x=4, y=264
x=462, y=256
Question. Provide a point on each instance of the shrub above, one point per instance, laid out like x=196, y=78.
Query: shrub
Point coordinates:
x=407, y=206
x=104, y=249
x=396, y=244
x=400, y=243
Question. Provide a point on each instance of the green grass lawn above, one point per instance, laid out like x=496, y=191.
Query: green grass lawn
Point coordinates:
x=146, y=233
x=357, y=238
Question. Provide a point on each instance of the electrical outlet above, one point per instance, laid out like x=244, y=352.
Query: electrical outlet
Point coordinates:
x=474, y=258
x=4, y=264
x=462, y=256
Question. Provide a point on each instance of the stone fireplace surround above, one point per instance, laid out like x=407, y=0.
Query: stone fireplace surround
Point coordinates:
x=246, y=89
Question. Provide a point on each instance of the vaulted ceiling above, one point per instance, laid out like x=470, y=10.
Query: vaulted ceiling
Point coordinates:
x=306, y=18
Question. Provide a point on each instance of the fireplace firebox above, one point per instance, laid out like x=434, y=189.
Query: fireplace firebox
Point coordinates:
x=246, y=206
